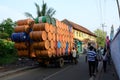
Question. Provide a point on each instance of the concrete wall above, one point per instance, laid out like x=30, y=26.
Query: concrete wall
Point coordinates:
x=115, y=52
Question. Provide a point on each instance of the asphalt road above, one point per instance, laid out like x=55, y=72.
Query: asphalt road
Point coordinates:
x=68, y=72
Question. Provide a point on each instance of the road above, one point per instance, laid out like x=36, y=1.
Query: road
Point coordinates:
x=68, y=72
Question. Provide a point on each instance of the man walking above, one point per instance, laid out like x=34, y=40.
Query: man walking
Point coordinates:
x=91, y=57
x=74, y=55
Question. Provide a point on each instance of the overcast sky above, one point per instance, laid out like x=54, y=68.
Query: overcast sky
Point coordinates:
x=87, y=13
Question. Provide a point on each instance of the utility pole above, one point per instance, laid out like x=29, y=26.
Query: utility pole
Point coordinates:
x=104, y=32
x=118, y=8
x=103, y=25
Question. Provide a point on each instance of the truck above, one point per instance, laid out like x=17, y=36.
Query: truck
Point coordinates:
x=45, y=42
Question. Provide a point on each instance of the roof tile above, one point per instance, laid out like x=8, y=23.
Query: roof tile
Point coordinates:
x=78, y=27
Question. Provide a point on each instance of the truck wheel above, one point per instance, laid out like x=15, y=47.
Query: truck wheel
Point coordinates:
x=61, y=62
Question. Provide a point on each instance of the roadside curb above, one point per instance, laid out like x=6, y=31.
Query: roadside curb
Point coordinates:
x=16, y=70
x=111, y=74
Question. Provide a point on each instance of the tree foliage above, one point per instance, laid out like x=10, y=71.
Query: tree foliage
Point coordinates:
x=101, y=36
x=7, y=52
x=43, y=11
x=4, y=35
x=6, y=28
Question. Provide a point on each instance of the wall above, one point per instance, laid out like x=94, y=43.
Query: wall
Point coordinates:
x=115, y=52
x=82, y=36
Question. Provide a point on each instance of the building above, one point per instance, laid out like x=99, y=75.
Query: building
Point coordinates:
x=82, y=36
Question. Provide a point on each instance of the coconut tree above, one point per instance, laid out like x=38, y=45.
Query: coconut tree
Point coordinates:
x=44, y=11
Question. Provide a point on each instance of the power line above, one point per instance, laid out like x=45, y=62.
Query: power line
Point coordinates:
x=104, y=11
x=118, y=8
x=101, y=12
x=102, y=8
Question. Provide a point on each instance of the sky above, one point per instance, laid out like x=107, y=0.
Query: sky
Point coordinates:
x=90, y=14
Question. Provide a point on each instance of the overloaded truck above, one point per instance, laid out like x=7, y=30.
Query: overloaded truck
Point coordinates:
x=46, y=42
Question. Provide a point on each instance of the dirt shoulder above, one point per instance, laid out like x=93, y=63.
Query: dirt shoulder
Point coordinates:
x=21, y=62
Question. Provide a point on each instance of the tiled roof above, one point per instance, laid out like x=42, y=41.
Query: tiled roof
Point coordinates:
x=78, y=27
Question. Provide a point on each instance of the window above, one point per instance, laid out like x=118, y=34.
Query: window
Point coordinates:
x=77, y=33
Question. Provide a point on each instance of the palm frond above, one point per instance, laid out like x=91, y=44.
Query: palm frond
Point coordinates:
x=51, y=12
x=29, y=15
x=43, y=12
x=38, y=10
x=44, y=9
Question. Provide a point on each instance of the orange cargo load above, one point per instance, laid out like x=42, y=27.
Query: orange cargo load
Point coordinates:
x=29, y=22
x=38, y=35
x=43, y=53
x=21, y=45
x=22, y=28
x=41, y=45
x=41, y=27
x=23, y=53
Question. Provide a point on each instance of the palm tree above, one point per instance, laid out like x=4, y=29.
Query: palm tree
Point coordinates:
x=43, y=12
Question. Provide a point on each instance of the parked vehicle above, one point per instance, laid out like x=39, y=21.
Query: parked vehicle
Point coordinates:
x=47, y=43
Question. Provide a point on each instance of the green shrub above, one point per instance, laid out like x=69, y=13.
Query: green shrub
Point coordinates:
x=4, y=35
x=7, y=52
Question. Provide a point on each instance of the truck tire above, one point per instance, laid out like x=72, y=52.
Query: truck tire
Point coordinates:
x=60, y=62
